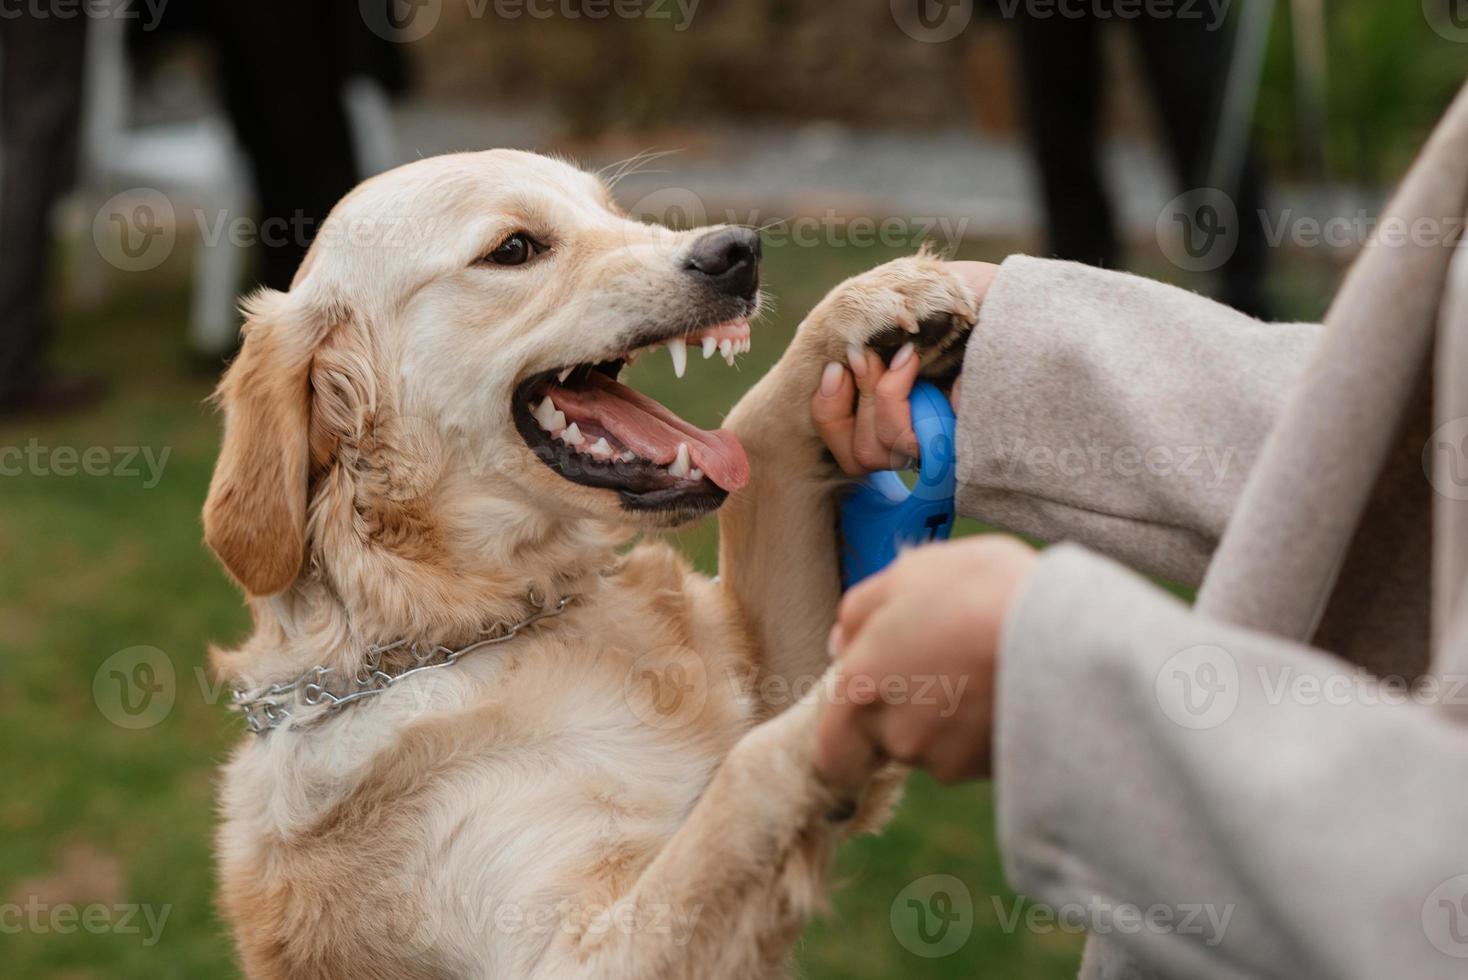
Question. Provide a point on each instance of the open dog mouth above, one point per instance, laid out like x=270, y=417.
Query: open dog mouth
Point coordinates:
x=593, y=430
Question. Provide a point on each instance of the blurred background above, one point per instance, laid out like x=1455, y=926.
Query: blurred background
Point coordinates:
x=160, y=157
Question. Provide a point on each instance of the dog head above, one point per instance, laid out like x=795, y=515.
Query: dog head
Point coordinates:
x=438, y=390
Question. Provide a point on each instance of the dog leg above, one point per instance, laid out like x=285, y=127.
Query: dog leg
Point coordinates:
x=778, y=546
x=729, y=894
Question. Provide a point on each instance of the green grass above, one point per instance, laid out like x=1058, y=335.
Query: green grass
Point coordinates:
x=93, y=565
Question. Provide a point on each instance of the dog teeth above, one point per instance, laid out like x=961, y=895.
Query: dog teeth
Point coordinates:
x=695, y=474
x=627, y=456
x=601, y=449
x=710, y=344
x=678, y=347
x=679, y=467
x=548, y=417
x=572, y=436
x=564, y=375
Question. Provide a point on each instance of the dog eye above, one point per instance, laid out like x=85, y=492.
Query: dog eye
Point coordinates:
x=518, y=249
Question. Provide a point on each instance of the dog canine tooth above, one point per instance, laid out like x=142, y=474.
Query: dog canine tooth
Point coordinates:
x=572, y=436
x=710, y=344
x=564, y=375
x=548, y=417
x=678, y=348
x=679, y=467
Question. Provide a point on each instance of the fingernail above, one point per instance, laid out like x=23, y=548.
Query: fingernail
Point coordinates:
x=903, y=355
x=857, y=358
x=831, y=378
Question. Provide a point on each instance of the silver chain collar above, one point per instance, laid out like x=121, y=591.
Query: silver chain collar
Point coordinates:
x=265, y=709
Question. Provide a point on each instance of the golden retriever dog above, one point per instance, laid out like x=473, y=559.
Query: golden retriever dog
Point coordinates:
x=491, y=739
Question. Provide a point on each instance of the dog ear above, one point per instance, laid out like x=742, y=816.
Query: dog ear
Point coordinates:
x=255, y=515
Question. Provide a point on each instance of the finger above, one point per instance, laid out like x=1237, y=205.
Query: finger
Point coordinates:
x=845, y=752
x=857, y=606
x=894, y=412
x=834, y=414
x=866, y=446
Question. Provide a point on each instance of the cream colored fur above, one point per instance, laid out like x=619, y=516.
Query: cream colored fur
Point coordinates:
x=612, y=794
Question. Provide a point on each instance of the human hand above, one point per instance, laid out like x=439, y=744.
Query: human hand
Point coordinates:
x=917, y=650
x=861, y=408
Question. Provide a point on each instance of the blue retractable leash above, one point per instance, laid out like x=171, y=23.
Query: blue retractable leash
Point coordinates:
x=880, y=516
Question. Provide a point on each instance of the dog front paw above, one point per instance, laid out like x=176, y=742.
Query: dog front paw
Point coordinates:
x=917, y=299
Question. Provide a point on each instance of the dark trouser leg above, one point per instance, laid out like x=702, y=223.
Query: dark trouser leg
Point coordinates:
x=1187, y=61
x=40, y=113
x=283, y=79
x=1061, y=70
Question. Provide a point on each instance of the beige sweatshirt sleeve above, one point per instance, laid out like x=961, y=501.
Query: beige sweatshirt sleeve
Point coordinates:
x=1116, y=411
x=1222, y=804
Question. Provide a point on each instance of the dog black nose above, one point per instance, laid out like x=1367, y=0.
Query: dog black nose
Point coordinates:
x=728, y=260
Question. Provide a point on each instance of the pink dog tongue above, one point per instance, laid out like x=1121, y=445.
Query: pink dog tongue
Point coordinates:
x=653, y=432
